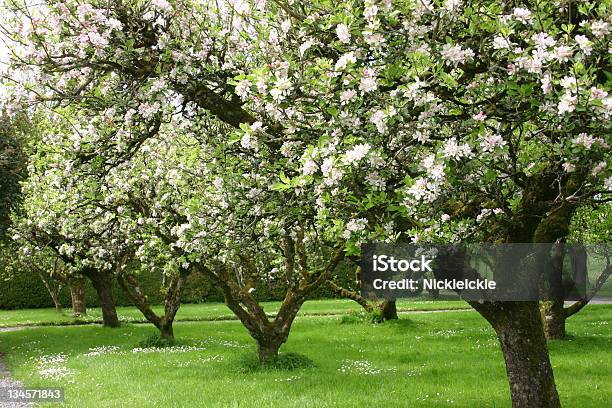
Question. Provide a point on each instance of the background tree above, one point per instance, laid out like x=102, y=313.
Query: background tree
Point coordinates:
x=589, y=236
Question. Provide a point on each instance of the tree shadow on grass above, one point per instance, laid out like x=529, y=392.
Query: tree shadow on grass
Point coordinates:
x=401, y=324
x=249, y=363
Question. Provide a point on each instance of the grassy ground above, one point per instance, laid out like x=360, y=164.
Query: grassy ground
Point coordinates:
x=205, y=311
x=422, y=360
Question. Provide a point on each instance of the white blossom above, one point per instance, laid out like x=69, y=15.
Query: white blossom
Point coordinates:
x=368, y=81
x=345, y=60
x=343, y=33
x=378, y=118
x=356, y=153
x=522, y=14
x=455, y=54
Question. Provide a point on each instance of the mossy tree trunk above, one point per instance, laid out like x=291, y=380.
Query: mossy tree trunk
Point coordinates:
x=270, y=333
x=349, y=294
x=552, y=309
x=389, y=310
x=77, y=295
x=554, y=318
x=555, y=314
x=172, y=300
x=519, y=329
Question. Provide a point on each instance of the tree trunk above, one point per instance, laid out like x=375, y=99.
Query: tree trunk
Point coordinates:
x=267, y=350
x=519, y=329
x=77, y=295
x=553, y=313
x=389, y=310
x=53, y=292
x=172, y=301
x=167, y=332
x=554, y=317
x=102, y=284
x=434, y=293
x=56, y=302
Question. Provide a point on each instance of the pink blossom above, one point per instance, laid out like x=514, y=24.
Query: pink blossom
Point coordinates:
x=353, y=226
x=454, y=54
x=455, y=151
x=543, y=40
x=83, y=10
x=563, y=53
x=480, y=116
x=500, y=43
x=490, y=142
x=599, y=168
x=310, y=167
x=568, y=82
x=376, y=40
x=243, y=89
x=597, y=93
x=370, y=12
x=285, y=26
x=600, y=28
x=378, y=118
x=344, y=60
x=347, y=96
x=568, y=167
x=161, y=4
x=546, y=83
x=567, y=104
x=453, y=5
x=584, y=140
x=305, y=46
x=331, y=173
x=356, y=153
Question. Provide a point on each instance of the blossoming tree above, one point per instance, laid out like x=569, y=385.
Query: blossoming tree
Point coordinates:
x=418, y=120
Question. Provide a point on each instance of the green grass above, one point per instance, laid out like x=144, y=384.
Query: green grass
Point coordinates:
x=422, y=360
x=205, y=311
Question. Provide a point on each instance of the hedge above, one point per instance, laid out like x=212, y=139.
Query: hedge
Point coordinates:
x=25, y=290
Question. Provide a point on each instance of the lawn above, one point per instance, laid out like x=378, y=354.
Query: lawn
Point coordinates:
x=422, y=360
x=206, y=311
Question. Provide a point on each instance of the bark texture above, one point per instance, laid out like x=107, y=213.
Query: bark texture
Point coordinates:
x=102, y=284
x=172, y=301
x=389, y=310
x=270, y=333
x=77, y=295
x=554, y=312
x=349, y=294
x=519, y=329
x=554, y=318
